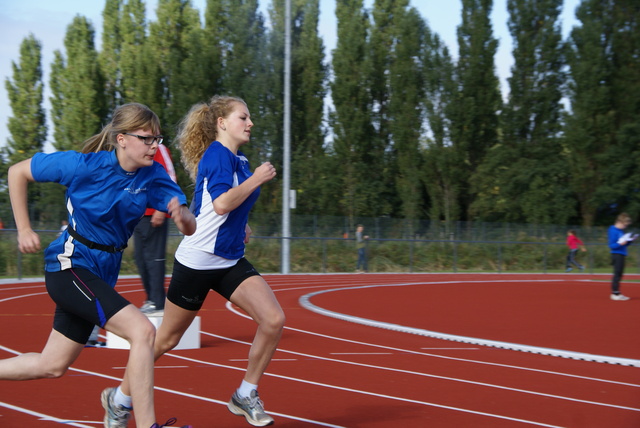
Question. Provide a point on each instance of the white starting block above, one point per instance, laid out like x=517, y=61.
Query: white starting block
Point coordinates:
x=190, y=339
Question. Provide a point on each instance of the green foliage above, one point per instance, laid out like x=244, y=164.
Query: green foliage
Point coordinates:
x=77, y=84
x=441, y=159
x=600, y=142
x=524, y=178
x=353, y=141
x=27, y=125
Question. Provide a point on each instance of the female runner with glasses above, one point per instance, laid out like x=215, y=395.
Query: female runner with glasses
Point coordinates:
x=109, y=187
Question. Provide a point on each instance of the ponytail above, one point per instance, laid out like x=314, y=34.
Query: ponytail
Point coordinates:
x=196, y=132
x=199, y=128
x=126, y=118
x=99, y=141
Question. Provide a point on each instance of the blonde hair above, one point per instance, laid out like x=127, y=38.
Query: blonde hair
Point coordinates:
x=199, y=128
x=624, y=218
x=126, y=118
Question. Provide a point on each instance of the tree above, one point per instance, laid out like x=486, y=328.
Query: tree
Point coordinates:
x=525, y=179
x=140, y=74
x=109, y=56
x=77, y=85
x=170, y=41
x=602, y=133
x=350, y=120
x=27, y=126
x=380, y=153
x=441, y=159
x=475, y=121
x=407, y=88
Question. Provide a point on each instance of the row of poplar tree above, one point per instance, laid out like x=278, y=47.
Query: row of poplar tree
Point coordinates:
x=394, y=124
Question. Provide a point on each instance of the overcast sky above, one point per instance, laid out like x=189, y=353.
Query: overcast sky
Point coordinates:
x=48, y=20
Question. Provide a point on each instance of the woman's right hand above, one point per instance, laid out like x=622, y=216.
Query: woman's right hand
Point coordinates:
x=265, y=172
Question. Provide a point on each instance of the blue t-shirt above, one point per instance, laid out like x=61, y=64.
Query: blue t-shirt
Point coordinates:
x=104, y=204
x=614, y=234
x=223, y=235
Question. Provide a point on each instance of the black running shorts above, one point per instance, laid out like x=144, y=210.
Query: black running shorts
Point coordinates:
x=189, y=287
x=83, y=300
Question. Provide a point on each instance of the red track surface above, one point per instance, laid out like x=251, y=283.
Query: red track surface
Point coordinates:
x=329, y=372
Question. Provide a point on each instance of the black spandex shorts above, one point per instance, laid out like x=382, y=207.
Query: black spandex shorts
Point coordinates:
x=189, y=287
x=83, y=300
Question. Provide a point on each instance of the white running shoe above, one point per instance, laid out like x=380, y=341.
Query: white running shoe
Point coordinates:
x=252, y=408
x=114, y=416
x=619, y=297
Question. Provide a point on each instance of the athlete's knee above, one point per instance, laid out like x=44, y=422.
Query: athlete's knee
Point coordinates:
x=275, y=321
x=143, y=333
x=52, y=370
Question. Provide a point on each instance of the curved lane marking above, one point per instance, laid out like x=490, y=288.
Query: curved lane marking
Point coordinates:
x=305, y=302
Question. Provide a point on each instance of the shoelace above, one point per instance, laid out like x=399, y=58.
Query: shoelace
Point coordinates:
x=255, y=402
x=169, y=422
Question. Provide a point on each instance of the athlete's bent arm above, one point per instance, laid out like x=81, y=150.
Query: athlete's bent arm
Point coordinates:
x=182, y=217
x=19, y=176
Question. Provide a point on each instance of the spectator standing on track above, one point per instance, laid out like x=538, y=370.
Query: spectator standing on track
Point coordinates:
x=618, y=243
x=574, y=243
x=150, y=245
x=213, y=258
x=109, y=185
x=361, y=245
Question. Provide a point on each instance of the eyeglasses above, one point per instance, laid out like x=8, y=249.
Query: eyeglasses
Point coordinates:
x=148, y=140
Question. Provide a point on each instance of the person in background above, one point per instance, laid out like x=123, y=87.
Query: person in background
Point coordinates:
x=361, y=245
x=150, y=245
x=618, y=243
x=574, y=243
x=63, y=226
x=210, y=137
x=109, y=186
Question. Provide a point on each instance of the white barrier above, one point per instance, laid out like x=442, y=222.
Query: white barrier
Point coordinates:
x=190, y=339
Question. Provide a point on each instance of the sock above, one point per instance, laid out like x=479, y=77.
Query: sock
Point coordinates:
x=119, y=399
x=246, y=388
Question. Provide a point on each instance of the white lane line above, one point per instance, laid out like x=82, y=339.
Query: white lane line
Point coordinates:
x=361, y=353
x=183, y=394
x=230, y=307
x=305, y=301
x=374, y=394
x=427, y=375
x=44, y=417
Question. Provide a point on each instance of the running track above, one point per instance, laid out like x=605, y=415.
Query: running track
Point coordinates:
x=374, y=350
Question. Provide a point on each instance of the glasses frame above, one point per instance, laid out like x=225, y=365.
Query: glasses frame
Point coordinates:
x=153, y=138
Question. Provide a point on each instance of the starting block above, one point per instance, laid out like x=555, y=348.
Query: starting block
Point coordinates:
x=190, y=339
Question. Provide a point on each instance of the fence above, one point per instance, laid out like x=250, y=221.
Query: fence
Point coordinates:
x=338, y=254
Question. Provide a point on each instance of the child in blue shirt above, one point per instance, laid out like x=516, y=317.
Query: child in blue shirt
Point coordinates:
x=618, y=243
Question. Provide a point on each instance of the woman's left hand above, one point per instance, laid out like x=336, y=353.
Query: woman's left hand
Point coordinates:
x=182, y=217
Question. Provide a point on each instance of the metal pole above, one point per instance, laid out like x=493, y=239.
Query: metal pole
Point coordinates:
x=286, y=185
